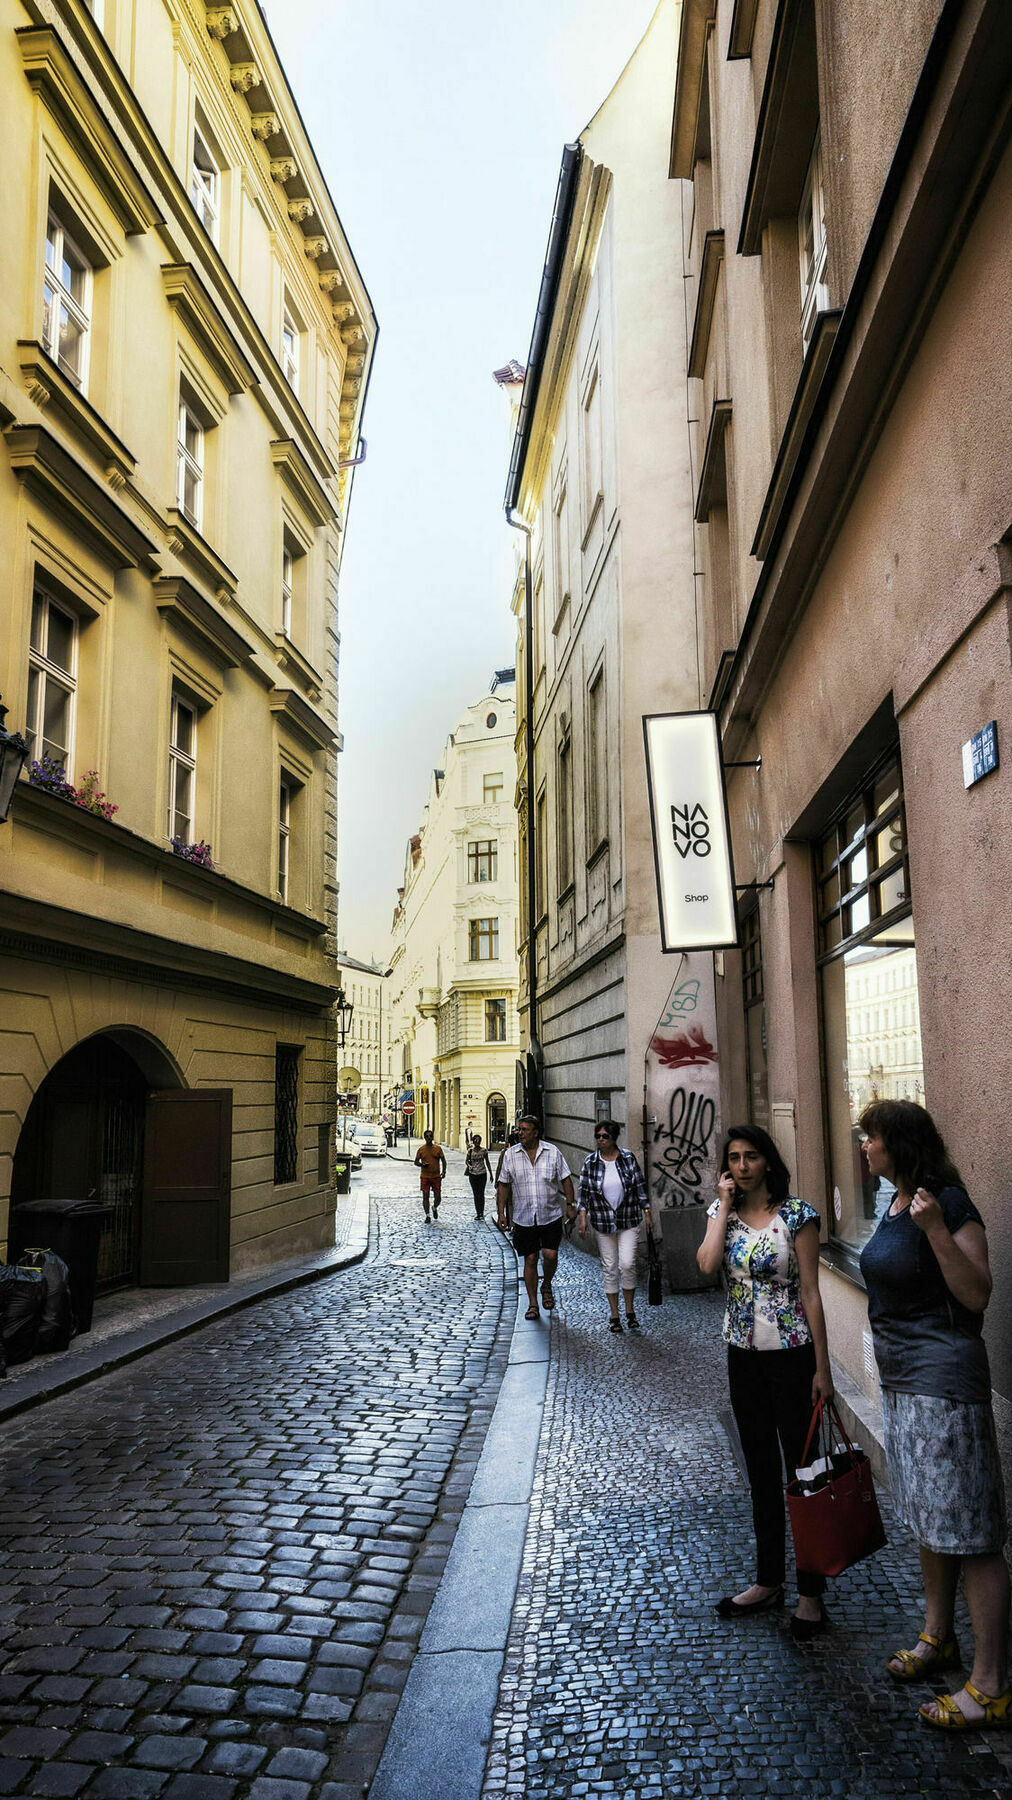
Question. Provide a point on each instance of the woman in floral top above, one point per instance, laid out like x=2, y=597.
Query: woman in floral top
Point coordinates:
x=767, y=1242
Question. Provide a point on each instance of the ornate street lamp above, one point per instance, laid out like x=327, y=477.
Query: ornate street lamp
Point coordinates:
x=13, y=756
x=343, y=1009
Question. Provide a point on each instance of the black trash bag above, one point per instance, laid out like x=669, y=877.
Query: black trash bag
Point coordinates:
x=56, y=1326
x=22, y=1297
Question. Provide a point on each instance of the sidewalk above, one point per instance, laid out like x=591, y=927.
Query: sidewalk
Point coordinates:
x=133, y=1321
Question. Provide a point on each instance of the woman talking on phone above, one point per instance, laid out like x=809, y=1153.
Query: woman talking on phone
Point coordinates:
x=767, y=1242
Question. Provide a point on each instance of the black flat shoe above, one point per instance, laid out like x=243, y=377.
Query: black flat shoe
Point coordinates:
x=729, y=1608
x=803, y=1629
x=631, y=1322
x=615, y=1325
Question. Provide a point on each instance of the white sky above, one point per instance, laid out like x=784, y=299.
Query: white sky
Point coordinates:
x=439, y=128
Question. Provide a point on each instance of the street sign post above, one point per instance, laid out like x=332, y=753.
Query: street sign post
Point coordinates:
x=407, y=1108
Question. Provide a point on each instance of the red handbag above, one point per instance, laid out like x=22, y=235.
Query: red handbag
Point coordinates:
x=837, y=1522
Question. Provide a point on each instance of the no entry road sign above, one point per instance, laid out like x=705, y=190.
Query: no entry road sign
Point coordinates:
x=408, y=1108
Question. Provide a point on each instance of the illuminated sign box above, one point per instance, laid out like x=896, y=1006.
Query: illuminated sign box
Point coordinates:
x=692, y=843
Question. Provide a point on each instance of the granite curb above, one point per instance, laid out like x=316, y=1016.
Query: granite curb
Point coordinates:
x=76, y=1367
x=463, y=1645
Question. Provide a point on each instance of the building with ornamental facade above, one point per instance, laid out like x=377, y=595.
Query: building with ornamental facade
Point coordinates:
x=185, y=344
x=454, y=958
x=364, y=1069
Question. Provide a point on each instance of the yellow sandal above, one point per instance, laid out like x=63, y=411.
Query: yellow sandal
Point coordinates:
x=950, y=1717
x=918, y=1668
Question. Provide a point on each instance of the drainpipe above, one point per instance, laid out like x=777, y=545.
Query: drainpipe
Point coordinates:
x=531, y=869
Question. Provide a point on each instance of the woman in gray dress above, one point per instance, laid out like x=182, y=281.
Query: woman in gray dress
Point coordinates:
x=928, y=1279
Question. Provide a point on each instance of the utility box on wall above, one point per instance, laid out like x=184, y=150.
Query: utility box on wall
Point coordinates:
x=683, y=1229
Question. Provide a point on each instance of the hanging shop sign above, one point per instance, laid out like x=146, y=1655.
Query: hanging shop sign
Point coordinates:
x=692, y=843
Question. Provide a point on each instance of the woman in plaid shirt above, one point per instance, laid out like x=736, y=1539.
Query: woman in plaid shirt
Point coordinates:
x=614, y=1194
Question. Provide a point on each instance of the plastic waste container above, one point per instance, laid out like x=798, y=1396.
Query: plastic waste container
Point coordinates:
x=342, y=1172
x=72, y=1229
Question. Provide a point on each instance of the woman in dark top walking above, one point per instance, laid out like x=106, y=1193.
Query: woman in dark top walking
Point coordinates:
x=928, y=1279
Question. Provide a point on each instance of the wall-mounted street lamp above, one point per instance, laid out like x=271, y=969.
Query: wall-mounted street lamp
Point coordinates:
x=343, y=1010
x=13, y=756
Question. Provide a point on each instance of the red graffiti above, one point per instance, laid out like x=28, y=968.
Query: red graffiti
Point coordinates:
x=692, y=1046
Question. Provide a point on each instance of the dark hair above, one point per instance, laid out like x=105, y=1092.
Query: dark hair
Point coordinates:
x=427, y=1134
x=914, y=1144
x=611, y=1126
x=778, y=1175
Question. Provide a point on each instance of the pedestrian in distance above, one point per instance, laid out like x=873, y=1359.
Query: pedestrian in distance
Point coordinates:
x=767, y=1241
x=479, y=1172
x=613, y=1194
x=535, y=1178
x=928, y=1278
x=430, y=1160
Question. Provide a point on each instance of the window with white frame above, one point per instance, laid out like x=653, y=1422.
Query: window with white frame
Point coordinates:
x=284, y=835
x=287, y=590
x=290, y=349
x=205, y=183
x=491, y=789
x=189, y=462
x=66, y=302
x=182, y=768
x=52, y=680
x=812, y=246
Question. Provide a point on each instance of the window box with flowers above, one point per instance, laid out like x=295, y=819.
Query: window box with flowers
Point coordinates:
x=50, y=775
x=200, y=854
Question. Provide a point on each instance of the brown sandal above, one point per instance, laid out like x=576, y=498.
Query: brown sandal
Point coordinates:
x=532, y=1313
x=547, y=1297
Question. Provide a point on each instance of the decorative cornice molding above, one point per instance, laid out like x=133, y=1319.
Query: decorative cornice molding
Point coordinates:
x=284, y=168
x=309, y=493
x=185, y=541
x=712, y=486
x=344, y=309
x=300, y=209
x=186, y=293
x=706, y=294
x=329, y=280
x=315, y=247
x=177, y=599
x=245, y=76
x=55, y=78
x=57, y=477
x=302, y=719
x=222, y=21
x=264, y=125
x=802, y=407
x=297, y=666
x=47, y=385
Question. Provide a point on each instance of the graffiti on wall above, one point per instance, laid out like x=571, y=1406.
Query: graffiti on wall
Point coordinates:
x=683, y=1089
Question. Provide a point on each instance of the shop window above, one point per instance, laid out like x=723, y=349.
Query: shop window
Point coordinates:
x=52, y=681
x=868, y=984
x=286, y=1113
x=482, y=860
x=66, y=302
x=755, y=1019
x=495, y=1021
x=483, y=940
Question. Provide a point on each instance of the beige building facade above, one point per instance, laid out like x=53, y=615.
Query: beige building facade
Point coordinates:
x=454, y=941
x=847, y=183
x=185, y=341
x=365, y=1072
x=600, y=474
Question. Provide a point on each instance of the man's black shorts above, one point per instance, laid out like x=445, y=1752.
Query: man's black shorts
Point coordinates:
x=529, y=1239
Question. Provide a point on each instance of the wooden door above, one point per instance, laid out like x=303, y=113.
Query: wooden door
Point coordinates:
x=186, y=1204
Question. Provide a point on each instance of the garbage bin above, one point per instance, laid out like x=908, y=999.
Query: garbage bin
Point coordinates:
x=342, y=1171
x=72, y=1228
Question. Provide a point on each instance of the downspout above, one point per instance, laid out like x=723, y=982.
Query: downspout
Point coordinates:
x=531, y=868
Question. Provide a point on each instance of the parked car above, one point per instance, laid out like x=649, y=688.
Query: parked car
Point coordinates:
x=370, y=1139
x=346, y=1145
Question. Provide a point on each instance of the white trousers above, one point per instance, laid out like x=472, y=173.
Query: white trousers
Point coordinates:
x=618, y=1258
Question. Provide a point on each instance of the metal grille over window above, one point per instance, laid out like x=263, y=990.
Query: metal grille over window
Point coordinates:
x=286, y=1113
x=868, y=976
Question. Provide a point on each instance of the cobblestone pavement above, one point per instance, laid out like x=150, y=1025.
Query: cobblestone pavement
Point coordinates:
x=619, y=1679
x=214, y=1564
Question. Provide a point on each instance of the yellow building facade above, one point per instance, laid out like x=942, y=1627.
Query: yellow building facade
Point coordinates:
x=185, y=343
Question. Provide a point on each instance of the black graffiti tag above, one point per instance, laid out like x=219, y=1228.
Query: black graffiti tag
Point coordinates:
x=687, y=1134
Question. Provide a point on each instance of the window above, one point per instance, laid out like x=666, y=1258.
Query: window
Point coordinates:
x=495, y=1021
x=491, y=791
x=205, y=183
x=286, y=1113
x=564, y=803
x=482, y=860
x=66, y=302
x=182, y=769
x=290, y=350
x=597, y=765
x=483, y=940
x=52, y=680
x=812, y=246
x=561, y=551
x=284, y=835
x=868, y=983
x=755, y=1019
x=189, y=463
x=592, y=465
x=287, y=590
x=541, y=855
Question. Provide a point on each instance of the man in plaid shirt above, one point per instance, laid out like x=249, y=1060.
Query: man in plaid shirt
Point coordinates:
x=538, y=1178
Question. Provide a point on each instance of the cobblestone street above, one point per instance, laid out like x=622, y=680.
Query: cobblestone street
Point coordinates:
x=619, y=1680
x=215, y=1562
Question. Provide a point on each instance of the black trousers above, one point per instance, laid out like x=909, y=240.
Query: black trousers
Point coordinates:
x=478, y=1183
x=771, y=1397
